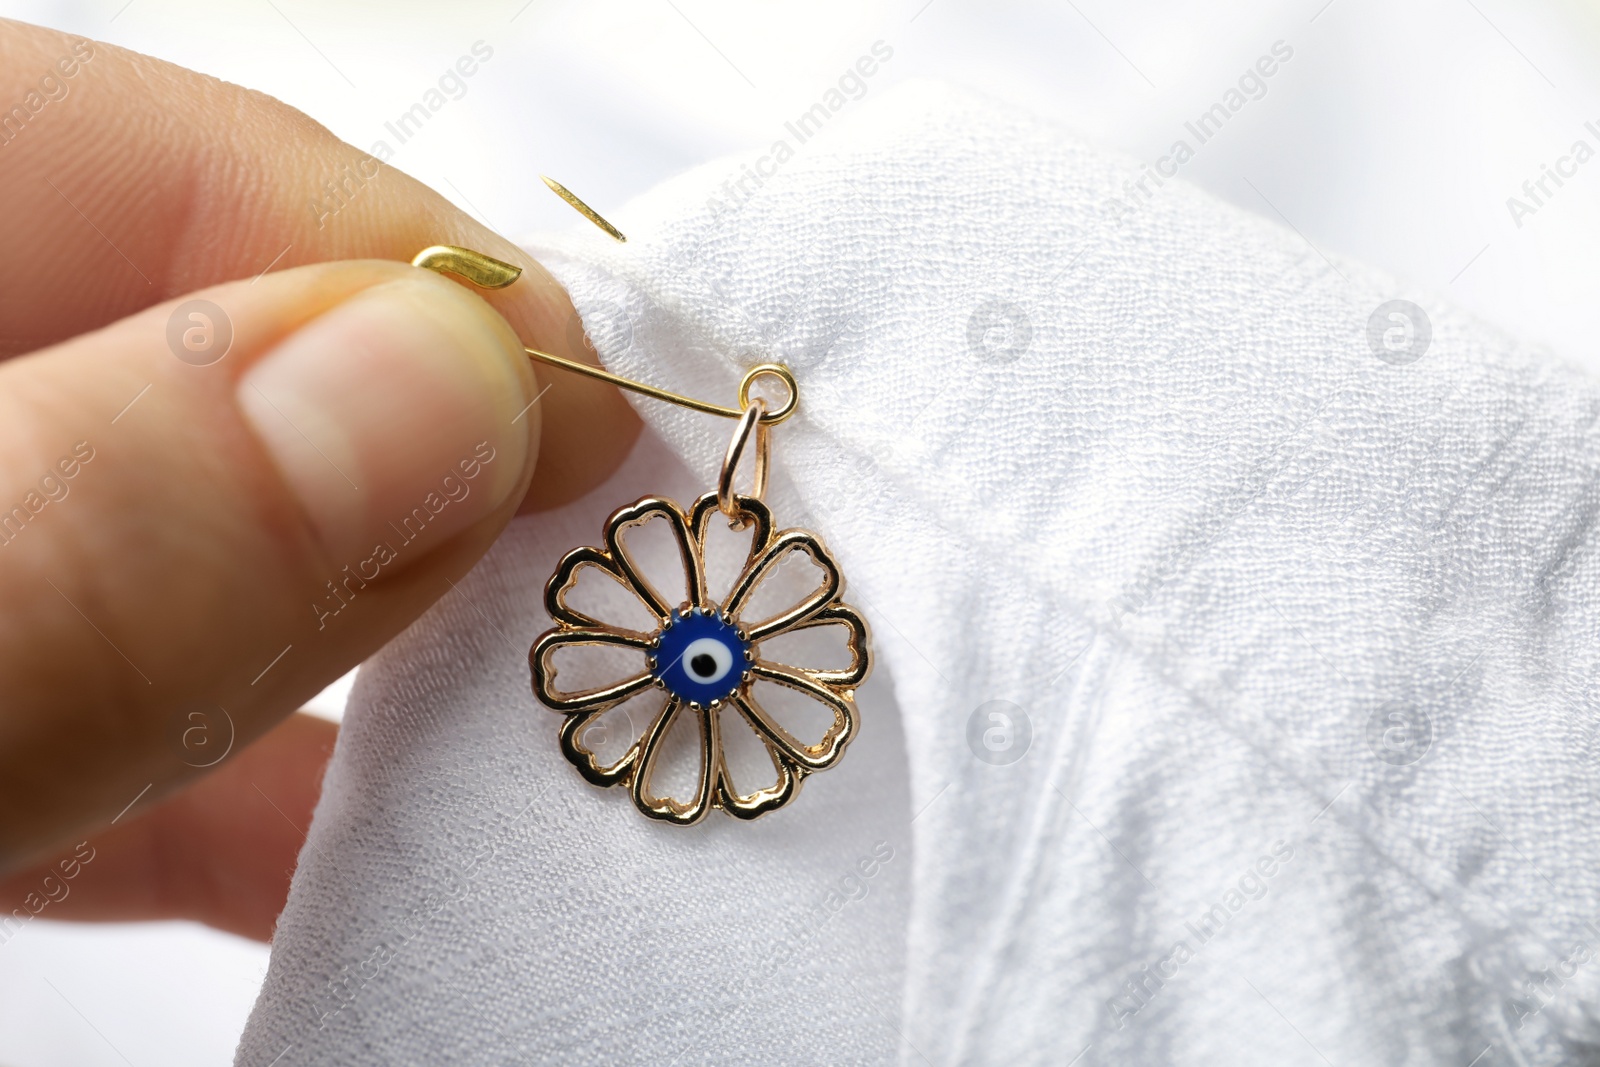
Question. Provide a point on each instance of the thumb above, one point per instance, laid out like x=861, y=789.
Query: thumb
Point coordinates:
x=210, y=509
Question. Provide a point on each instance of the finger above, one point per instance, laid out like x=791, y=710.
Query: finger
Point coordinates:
x=136, y=181
x=221, y=853
x=182, y=537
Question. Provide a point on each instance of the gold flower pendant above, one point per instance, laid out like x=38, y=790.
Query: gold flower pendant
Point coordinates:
x=704, y=655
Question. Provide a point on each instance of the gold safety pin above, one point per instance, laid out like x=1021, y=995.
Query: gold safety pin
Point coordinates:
x=486, y=272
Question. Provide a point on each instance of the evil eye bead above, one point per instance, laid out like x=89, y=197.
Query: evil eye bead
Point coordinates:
x=707, y=660
x=699, y=657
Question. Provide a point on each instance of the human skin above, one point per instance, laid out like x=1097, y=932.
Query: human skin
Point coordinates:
x=166, y=572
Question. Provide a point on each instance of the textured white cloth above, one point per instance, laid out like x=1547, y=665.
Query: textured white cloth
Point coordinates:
x=1298, y=639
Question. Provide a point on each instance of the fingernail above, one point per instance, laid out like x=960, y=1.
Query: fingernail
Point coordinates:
x=390, y=417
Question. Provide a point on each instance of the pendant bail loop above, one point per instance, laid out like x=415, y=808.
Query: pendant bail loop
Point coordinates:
x=751, y=421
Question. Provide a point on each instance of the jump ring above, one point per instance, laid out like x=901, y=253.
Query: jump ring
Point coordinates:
x=784, y=375
x=754, y=420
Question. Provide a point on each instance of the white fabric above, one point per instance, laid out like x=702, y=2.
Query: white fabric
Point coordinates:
x=1219, y=555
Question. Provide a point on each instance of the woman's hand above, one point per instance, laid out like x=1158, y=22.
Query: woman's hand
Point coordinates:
x=230, y=466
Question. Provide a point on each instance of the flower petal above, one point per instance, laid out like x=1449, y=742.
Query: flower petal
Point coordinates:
x=566, y=579
x=667, y=809
x=544, y=673
x=647, y=510
x=755, y=517
x=761, y=569
x=758, y=801
x=858, y=642
x=831, y=746
x=579, y=742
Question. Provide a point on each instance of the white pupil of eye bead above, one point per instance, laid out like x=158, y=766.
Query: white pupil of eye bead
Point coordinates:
x=707, y=660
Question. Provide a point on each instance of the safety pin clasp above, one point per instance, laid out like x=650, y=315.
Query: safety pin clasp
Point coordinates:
x=485, y=272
